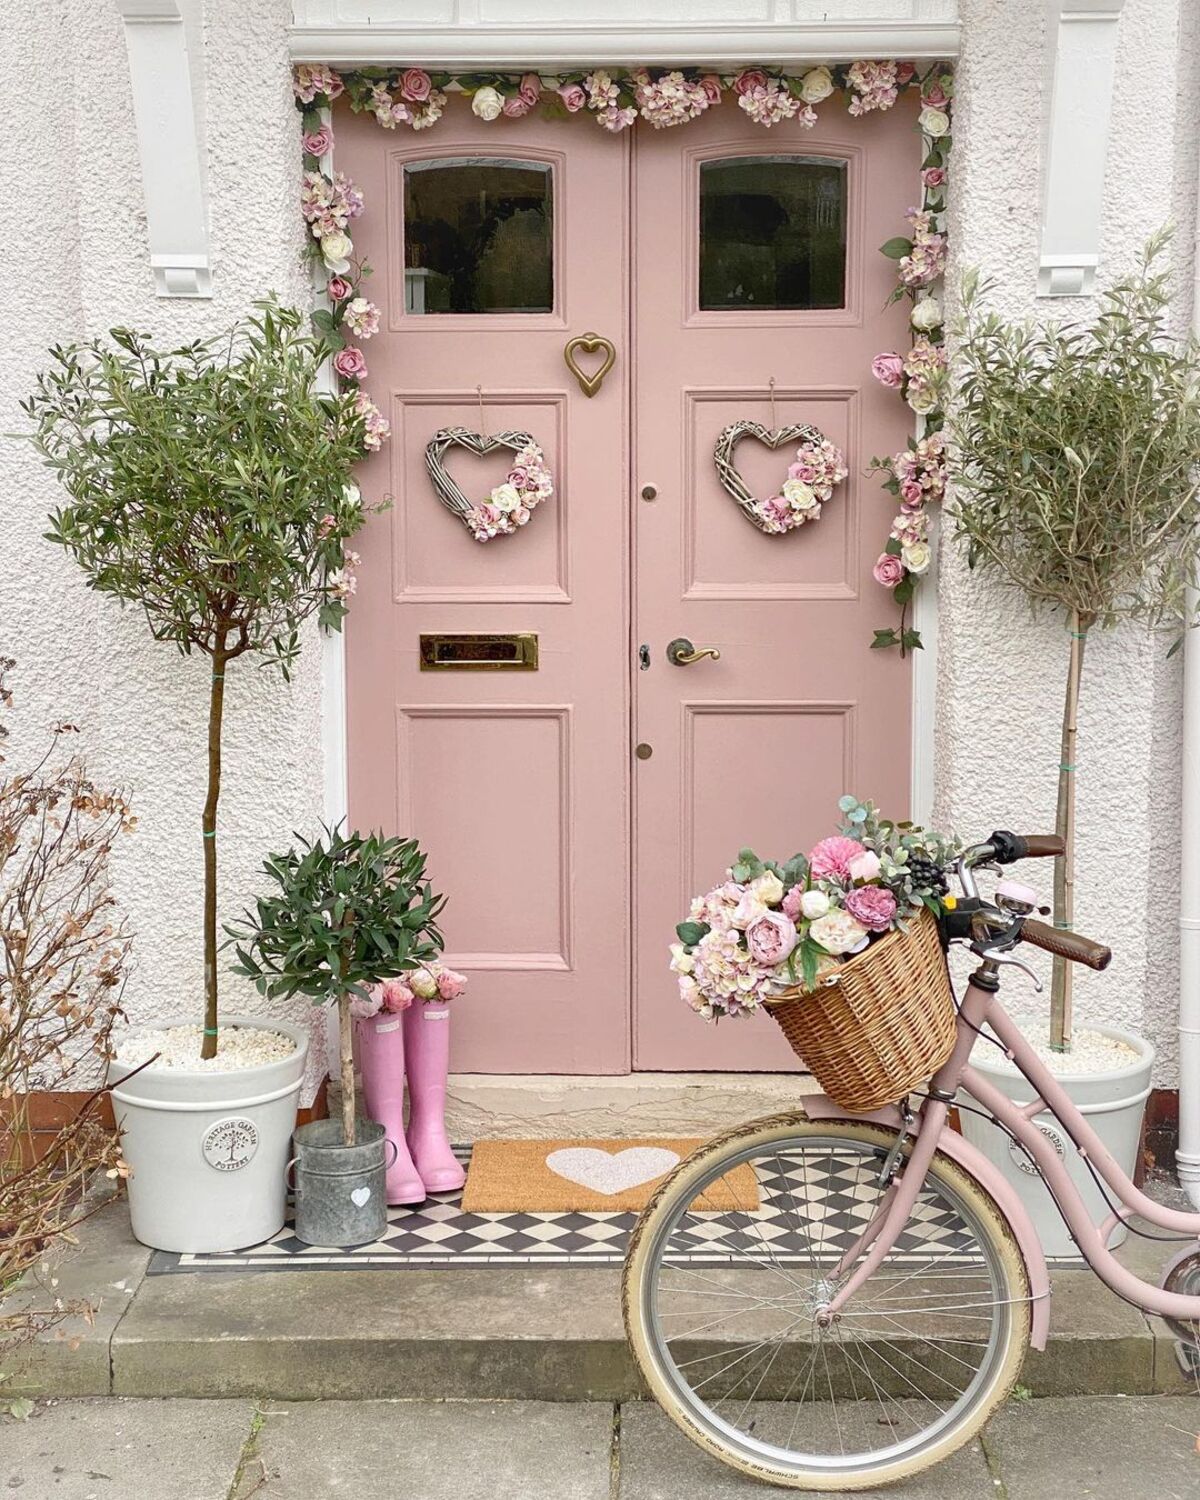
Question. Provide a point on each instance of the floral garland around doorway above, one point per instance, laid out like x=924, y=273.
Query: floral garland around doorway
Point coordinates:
x=417, y=98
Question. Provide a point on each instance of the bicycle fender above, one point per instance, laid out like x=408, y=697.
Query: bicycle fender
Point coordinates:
x=975, y=1164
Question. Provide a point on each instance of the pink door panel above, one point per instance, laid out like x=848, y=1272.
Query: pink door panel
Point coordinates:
x=756, y=748
x=515, y=781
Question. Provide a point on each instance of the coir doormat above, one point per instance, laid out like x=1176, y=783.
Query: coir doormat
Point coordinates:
x=586, y=1176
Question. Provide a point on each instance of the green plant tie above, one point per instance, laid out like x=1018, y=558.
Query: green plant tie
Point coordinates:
x=218, y=676
x=1064, y=767
x=210, y=1031
x=211, y=835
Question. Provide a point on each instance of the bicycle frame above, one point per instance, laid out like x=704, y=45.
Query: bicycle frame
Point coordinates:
x=980, y=1005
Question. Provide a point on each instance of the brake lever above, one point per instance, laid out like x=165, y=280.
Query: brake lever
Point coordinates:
x=1000, y=956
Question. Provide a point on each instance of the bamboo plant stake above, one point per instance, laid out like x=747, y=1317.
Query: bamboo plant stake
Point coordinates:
x=1064, y=826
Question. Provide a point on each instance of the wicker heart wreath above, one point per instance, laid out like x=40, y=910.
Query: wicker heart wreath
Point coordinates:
x=511, y=503
x=810, y=479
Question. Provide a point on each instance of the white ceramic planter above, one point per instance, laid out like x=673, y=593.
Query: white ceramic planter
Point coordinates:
x=207, y=1151
x=1112, y=1102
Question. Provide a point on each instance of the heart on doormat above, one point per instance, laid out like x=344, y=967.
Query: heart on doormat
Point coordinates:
x=611, y=1172
x=809, y=483
x=510, y=503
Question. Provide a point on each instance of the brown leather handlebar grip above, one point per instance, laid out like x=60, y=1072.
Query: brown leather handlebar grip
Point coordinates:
x=1041, y=845
x=1070, y=945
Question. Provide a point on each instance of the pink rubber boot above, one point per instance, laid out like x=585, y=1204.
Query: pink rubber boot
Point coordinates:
x=427, y=1059
x=381, y=1059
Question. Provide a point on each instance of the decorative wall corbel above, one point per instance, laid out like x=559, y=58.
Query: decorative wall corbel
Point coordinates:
x=167, y=75
x=1081, y=38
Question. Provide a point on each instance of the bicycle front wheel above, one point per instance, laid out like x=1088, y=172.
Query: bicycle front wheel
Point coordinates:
x=745, y=1241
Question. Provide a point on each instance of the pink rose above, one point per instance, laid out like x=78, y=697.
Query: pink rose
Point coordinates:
x=415, y=85
x=350, y=364
x=396, y=995
x=933, y=177
x=790, y=904
x=904, y=73
x=515, y=107
x=450, y=985
x=889, y=570
x=573, y=96
x=832, y=856
x=888, y=369
x=711, y=85
x=749, y=80
x=338, y=289
x=803, y=472
x=911, y=493
x=933, y=96
x=529, y=89
x=317, y=142
x=864, y=866
x=873, y=906
x=770, y=938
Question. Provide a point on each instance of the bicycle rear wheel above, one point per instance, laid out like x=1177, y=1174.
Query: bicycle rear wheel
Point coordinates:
x=720, y=1307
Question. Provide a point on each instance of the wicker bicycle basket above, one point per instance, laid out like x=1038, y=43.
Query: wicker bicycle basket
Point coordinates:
x=880, y=1024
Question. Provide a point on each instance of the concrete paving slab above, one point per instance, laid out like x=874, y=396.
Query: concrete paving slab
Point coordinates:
x=124, y=1450
x=1098, y=1344
x=377, y=1450
x=658, y=1463
x=1097, y=1449
x=104, y=1268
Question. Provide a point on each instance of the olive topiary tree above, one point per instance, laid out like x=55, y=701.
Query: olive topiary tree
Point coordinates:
x=211, y=486
x=347, y=911
x=1074, y=459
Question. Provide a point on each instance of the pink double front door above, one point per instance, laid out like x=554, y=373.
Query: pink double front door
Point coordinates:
x=571, y=811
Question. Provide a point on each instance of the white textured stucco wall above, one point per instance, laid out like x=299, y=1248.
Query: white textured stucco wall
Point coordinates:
x=77, y=262
x=79, y=266
x=1001, y=675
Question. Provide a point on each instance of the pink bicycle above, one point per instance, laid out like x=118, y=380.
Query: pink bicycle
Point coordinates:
x=868, y=1302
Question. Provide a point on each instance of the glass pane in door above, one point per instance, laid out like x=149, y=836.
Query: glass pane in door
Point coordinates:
x=772, y=233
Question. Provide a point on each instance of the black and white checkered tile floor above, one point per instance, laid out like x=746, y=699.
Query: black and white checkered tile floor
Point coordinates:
x=438, y=1234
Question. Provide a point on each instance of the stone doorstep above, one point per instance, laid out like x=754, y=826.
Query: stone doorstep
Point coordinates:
x=483, y=1334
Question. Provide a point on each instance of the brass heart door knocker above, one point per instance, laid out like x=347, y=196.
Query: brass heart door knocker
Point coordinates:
x=589, y=342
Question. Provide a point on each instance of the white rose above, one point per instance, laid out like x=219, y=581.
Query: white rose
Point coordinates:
x=921, y=398
x=814, y=904
x=505, y=498
x=916, y=556
x=817, y=84
x=926, y=314
x=336, y=249
x=748, y=909
x=487, y=103
x=934, y=122
x=682, y=961
x=837, y=932
x=422, y=983
x=799, y=496
x=351, y=494
x=768, y=887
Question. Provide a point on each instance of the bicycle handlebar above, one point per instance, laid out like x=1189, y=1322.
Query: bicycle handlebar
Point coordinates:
x=1007, y=847
x=1072, y=945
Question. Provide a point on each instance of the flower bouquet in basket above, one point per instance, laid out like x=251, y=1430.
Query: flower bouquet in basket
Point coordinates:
x=841, y=945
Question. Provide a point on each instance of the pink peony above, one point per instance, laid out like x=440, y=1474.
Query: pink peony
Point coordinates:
x=317, y=142
x=888, y=369
x=872, y=905
x=832, y=856
x=396, y=995
x=749, y=80
x=350, y=363
x=450, y=985
x=415, y=85
x=573, y=96
x=770, y=938
x=888, y=571
x=338, y=289
x=363, y=1010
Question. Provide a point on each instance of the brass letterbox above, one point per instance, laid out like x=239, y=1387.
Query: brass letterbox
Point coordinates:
x=466, y=652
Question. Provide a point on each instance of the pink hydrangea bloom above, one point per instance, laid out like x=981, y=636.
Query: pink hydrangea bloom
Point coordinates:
x=832, y=856
x=872, y=905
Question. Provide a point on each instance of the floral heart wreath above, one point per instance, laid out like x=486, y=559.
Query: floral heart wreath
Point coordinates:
x=810, y=479
x=511, y=503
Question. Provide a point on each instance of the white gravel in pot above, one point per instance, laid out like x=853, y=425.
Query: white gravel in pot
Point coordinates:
x=237, y=1047
x=1091, y=1052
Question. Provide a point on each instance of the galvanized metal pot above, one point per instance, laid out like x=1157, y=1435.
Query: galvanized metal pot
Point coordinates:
x=339, y=1189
